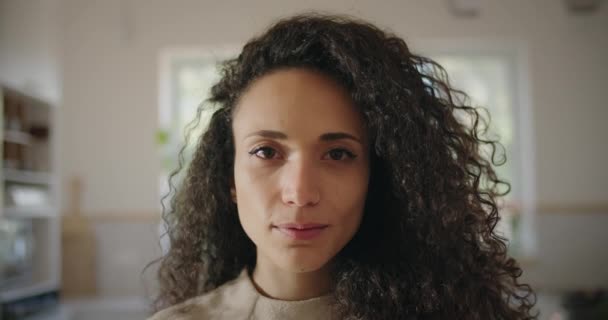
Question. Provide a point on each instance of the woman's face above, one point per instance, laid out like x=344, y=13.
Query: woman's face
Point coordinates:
x=301, y=168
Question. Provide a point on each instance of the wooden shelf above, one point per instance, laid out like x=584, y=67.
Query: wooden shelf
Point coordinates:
x=32, y=99
x=18, y=137
x=28, y=177
x=31, y=212
x=24, y=148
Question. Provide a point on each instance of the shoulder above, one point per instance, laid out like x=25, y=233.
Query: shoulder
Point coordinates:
x=229, y=301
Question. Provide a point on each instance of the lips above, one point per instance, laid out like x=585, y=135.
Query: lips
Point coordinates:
x=301, y=226
x=301, y=231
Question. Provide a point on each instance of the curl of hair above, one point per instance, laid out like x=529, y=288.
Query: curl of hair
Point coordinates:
x=427, y=246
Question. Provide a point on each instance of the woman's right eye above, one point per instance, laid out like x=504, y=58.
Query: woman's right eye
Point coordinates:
x=264, y=153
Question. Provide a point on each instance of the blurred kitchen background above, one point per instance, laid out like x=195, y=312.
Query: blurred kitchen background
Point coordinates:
x=96, y=94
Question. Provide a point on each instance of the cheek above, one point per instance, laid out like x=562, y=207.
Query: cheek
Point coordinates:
x=348, y=204
x=254, y=187
x=353, y=200
x=254, y=193
x=348, y=190
x=344, y=202
x=252, y=220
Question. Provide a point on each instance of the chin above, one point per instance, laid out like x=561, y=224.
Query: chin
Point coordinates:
x=304, y=268
x=303, y=263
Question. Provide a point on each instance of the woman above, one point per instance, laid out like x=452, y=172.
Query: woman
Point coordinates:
x=335, y=181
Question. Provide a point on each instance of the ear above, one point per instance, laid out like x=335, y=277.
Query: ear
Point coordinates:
x=233, y=194
x=232, y=190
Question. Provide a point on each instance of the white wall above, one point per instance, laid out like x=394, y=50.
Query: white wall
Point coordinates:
x=572, y=252
x=110, y=68
x=30, y=53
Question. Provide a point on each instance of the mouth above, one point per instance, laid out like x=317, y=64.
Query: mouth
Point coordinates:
x=298, y=231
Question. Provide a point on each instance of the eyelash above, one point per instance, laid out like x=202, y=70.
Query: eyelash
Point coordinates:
x=349, y=155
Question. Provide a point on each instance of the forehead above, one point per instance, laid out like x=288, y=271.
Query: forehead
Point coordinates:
x=297, y=101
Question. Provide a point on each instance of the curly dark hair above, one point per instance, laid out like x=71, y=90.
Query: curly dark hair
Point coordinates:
x=427, y=247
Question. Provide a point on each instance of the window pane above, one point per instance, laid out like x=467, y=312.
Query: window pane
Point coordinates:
x=487, y=79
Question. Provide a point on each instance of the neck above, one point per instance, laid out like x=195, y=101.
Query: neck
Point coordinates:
x=276, y=283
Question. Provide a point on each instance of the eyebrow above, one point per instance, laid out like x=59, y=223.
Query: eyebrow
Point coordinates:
x=330, y=136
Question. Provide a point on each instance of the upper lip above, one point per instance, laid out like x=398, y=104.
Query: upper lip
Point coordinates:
x=301, y=225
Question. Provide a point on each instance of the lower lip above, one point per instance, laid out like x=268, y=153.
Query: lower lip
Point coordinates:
x=301, y=234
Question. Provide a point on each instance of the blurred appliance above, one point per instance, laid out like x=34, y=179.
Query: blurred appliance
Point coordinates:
x=16, y=251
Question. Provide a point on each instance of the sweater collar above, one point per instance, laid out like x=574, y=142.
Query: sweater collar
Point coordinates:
x=269, y=308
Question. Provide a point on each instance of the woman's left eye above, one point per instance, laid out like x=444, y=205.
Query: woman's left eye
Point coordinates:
x=340, y=154
x=266, y=153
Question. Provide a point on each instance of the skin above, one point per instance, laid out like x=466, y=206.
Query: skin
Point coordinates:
x=301, y=156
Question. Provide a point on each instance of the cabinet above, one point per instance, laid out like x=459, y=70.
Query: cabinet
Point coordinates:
x=30, y=248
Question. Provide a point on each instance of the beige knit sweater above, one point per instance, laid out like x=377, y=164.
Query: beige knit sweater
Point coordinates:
x=239, y=299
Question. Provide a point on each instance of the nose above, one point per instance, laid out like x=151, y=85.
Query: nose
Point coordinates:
x=300, y=184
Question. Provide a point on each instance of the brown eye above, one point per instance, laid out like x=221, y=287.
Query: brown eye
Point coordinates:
x=340, y=154
x=264, y=152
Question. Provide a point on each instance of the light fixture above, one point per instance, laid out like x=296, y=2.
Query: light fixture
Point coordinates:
x=464, y=8
x=583, y=6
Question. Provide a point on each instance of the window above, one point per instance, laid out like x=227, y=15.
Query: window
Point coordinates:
x=494, y=77
x=186, y=76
